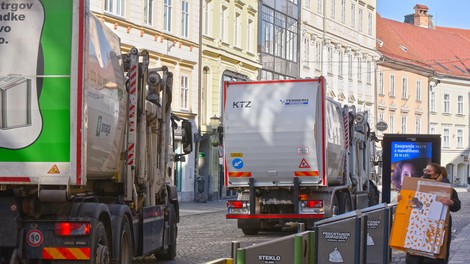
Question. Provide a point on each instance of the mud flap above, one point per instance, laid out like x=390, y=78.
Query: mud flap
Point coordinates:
x=9, y=219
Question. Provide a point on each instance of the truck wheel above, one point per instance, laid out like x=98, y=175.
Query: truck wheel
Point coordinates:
x=344, y=203
x=100, y=245
x=126, y=252
x=250, y=231
x=170, y=253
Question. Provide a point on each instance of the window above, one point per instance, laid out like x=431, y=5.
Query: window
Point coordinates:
x=267, y=30
x=279, y=34
x=237, y=30
x=291, y=41
x=446, y=138
x=353, y=15
x=359, y=27
x=392, y=85
x=432, y=101
x=333, y=8
x=381, y=83
x=116, y=7
x=392, y=124
x=381, y=117
x=404, y=88
x=185, y=18
x=184, y=93
x=148, y=12
x=249, y=36
x=369, y=24
x=223, y=23
x=318, y=53
x=340, y=70
x=320, y=7
x=446, y=103
x=403, y=124
x=207, y=17
x=343, y=11
x=350, y=61
x=460, y=104
x=459, y=137
x=432, y=128
x=167, y=7
x=369, y=72
x=418, y=125
x=330, y=59
x=306, y=54
x=418, y=90
x=359, y=69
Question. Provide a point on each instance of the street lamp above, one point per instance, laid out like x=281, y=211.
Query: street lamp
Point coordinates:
x=215, y=123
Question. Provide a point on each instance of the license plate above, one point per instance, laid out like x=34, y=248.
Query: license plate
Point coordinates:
x=238, y=211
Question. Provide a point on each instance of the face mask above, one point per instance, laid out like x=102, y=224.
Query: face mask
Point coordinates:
x=427, y=176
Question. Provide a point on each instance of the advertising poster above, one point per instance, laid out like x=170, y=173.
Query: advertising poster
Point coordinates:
x=408, y=159
x=406, y=155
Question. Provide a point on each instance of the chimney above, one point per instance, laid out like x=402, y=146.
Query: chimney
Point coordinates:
x=420, y=18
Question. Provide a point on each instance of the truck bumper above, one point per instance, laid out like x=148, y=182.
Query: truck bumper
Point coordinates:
x=41, y=243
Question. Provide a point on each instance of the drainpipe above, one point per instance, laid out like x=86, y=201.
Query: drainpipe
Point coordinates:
x=199, y=95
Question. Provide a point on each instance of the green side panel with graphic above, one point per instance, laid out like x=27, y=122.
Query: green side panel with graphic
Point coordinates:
x=52, y=144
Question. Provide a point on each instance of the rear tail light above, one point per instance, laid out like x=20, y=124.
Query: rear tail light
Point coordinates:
x=237, y=204
x=313, y=203
x=72, y=228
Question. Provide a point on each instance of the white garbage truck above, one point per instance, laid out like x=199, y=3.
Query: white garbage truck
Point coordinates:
x=86, y=141
x=293, y=155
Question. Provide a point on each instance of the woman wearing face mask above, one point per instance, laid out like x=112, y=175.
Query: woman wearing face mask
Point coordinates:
x=436, y=172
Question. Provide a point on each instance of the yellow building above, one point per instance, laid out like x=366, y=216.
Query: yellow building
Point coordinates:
x=228, y=46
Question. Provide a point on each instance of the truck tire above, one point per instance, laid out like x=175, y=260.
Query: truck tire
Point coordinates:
x=126, y=251
x=250, y=231
x=344, y=203
x=170, y=253
x=100, y=245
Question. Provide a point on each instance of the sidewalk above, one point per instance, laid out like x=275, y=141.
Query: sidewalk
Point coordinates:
x=460, y=246
x=193, y=208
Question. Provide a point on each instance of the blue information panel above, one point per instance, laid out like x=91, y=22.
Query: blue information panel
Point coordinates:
x=406, y=155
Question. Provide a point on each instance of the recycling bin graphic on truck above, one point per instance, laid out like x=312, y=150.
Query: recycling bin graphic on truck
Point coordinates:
x=20, y=114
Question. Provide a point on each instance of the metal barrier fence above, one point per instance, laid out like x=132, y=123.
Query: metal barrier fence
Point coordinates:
x=357, y=237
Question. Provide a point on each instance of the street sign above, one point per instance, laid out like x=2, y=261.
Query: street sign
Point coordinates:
x=381, y=126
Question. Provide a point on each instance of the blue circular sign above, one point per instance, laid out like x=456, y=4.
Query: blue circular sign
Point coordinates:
x=237, y=163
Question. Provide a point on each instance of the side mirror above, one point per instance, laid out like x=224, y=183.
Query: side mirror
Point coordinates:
x=187, y=136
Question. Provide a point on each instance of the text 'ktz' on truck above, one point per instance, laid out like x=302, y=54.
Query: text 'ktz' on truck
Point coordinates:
x=293, y=155
x=86, y=143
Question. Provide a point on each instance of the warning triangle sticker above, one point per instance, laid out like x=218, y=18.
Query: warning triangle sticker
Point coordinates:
x=304, y=164
x=54, y=170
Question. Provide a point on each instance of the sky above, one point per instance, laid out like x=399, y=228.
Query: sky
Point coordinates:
x=446, y=13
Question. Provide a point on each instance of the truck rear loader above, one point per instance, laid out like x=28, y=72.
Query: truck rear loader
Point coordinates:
x=293, y=155
x=86, y=141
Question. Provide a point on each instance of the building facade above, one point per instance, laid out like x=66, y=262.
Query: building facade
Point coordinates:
x=418, y=54
x=338, y=42
x=169, y=31
x=279, y=37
